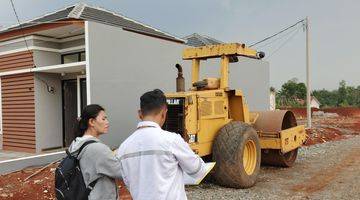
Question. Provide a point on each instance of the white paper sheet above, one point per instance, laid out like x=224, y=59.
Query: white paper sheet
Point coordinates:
x=188, y=180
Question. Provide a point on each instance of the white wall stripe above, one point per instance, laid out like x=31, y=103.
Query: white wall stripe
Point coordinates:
x=67, y=65
x=30, y=157
x=43, y=49
x=44, y=68
x=79, y=93
x=42, y=38
x=20, y=71
x=87, y=58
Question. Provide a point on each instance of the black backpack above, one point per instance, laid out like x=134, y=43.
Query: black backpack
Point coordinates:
x=69, y=181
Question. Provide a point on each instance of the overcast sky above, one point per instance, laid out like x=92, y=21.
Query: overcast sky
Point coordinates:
x=334, y=29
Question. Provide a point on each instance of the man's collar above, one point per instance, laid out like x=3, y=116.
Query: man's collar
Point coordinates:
x=87, y=136
x=148, y=123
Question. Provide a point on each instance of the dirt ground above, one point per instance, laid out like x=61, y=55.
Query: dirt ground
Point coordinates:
x=329, y=170
x=328, y=167
x=333, y=124
x=40, y=186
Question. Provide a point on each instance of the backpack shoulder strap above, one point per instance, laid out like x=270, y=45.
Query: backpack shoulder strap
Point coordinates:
x=92, y=184
x=85, y=144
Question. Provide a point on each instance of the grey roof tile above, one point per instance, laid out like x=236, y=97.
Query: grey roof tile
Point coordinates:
x=100, y=15
x=197, y=40
x=61, y=14
x=109, y=18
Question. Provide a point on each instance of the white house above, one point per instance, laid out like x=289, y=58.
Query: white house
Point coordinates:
x=314, y=103
x=54, y=65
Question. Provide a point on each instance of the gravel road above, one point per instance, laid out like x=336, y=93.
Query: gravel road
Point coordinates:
x=324, y=171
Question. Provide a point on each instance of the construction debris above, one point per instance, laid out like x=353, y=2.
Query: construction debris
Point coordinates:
x=40, y=170
x=331, y=124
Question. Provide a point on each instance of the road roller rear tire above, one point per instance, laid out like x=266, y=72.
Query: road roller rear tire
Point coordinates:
x=276, y=158
x=237, y=154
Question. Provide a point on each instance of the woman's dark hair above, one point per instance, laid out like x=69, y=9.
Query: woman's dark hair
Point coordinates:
x=89, y=112
x=152, y=102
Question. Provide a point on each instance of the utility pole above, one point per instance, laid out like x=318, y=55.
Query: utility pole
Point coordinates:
x=308, y=88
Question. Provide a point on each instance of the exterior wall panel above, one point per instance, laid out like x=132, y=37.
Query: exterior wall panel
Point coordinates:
x=16, y=45
x=16, y=61
x=18, y=112
x=44, y=58
x=123, y=65
x=48, y=112
x=18, y=105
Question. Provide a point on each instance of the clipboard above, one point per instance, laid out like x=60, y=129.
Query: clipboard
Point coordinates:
x=188, y=180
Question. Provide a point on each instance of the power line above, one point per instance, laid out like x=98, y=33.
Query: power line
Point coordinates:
x=271, y=36
x=285, y=42
x=23, y=35
x=277, y=39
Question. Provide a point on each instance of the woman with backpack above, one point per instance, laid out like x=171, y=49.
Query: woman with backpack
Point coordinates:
x=98, y=163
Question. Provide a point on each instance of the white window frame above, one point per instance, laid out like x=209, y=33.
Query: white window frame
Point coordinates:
x=87, y=66
x=79, y=93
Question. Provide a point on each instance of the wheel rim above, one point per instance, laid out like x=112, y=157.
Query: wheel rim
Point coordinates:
x=249, y=157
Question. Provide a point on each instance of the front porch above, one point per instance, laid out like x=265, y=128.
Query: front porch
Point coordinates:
x=49, y=104
x=60, y=95
x=42, y=95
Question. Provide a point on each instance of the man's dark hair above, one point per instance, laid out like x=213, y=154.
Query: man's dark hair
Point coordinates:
x=152, y=102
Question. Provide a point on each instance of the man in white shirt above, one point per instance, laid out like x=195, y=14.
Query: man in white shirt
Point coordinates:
x=153, y=160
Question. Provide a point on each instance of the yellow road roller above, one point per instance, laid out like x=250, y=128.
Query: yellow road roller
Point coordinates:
x=216, y=122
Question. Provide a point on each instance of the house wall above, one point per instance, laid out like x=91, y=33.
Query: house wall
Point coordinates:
x=249, y=75
x=124, y=65
x=32, y=117
x=46, y=44
x=48, y=106
x=16, y=61
x=314, y=104
x=18, y=112
x=46, y=58
x=48, y=111
x=1, y=128
x=16, y=45
x=29, y=42
x=17, y=99
x=272, y=100
x=62, y=45
x=28, y=125
x=51, y=46
x=74, y=43
x=253, y=78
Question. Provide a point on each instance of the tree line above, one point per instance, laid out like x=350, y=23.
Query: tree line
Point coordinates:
x=293, y=94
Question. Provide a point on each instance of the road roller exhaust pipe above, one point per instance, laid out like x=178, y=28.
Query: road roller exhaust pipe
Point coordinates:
x=180, y=81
